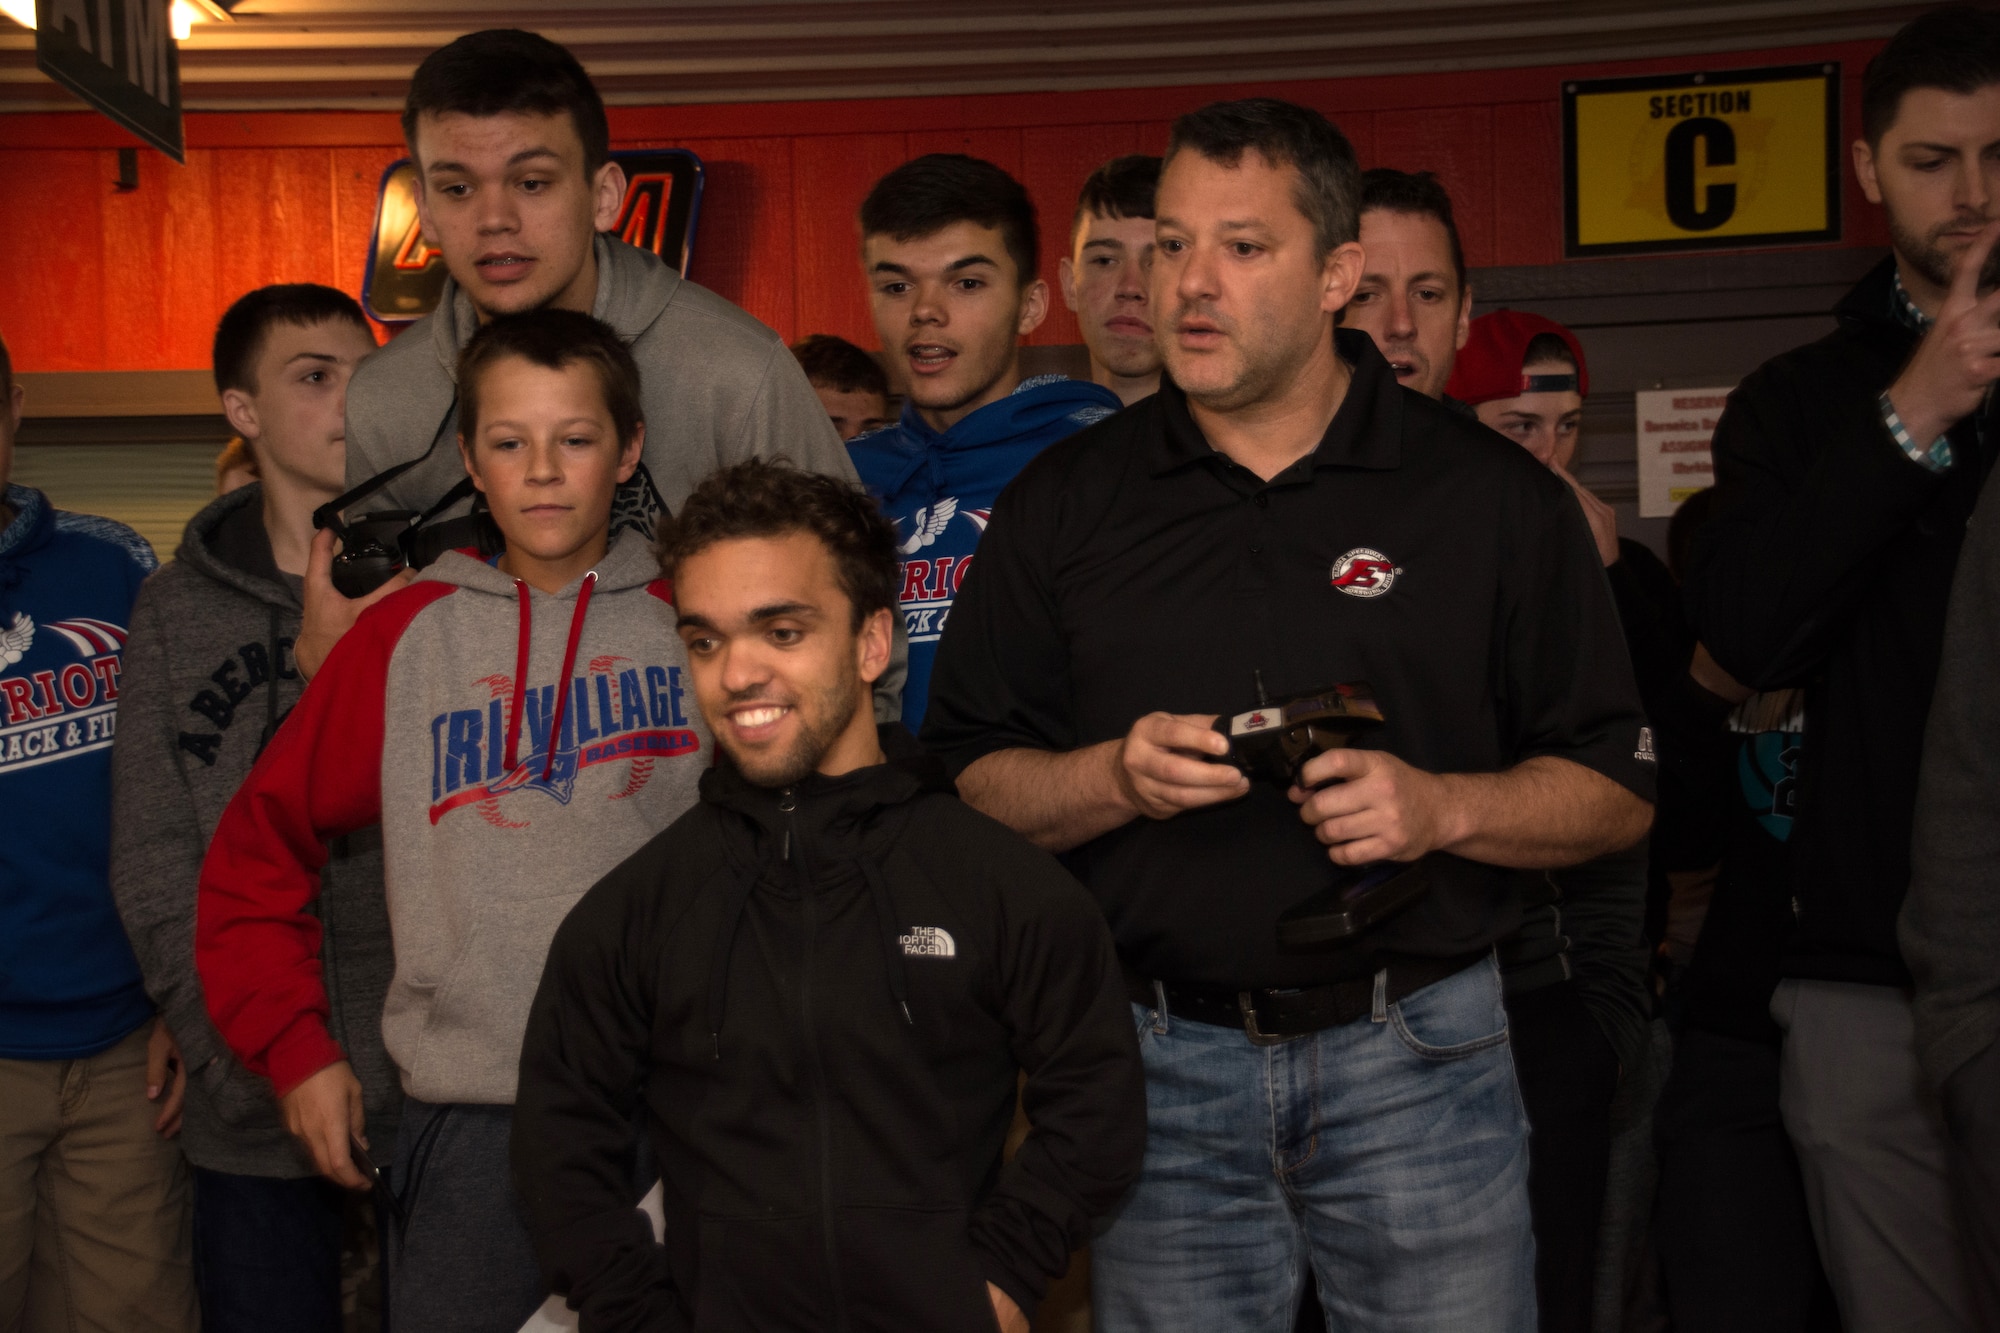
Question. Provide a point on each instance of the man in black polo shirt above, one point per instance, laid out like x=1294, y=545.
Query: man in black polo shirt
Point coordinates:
x=1283, y=509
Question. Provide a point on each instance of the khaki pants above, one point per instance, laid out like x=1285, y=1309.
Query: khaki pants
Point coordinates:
x=1870, y=1138
x=94, y=1205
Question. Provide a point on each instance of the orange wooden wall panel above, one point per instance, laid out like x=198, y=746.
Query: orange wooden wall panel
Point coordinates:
x=1055, y=162
x=831, y=176
x=158, y=262
x=99, y=280
x=1456, y=143
x=52, y=301
x=1527, y=199
x=743, y=245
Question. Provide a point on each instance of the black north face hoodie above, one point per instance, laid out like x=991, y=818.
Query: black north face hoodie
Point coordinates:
x=821, y=996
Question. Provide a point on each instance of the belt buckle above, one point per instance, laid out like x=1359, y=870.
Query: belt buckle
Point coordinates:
x=1250, y=1028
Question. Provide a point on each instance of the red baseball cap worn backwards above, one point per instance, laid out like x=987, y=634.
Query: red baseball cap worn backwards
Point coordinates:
x=1489, y=366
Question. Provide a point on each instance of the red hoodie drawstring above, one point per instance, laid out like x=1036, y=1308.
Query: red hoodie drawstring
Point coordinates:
x=563, y=686
x=520, y=675
x=569, y=665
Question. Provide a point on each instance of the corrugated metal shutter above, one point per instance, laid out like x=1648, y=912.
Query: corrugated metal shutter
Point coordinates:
x=154, y=488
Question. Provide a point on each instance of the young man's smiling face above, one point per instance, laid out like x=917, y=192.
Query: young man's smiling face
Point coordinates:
x=1104, y=280
x=780, y=669
x=295, y=416
x=1409, y=299
x=952, y=309
x=1243, y=296
x=508, y=200
x=546, y=454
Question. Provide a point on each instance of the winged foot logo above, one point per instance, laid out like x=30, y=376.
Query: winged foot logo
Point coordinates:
x=616, y=712
x=930, y=582
x=62, y=708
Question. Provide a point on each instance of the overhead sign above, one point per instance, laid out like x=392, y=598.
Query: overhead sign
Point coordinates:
x=119, y=56
x=405, y=272
x=1717, y=160
x=1676, y=428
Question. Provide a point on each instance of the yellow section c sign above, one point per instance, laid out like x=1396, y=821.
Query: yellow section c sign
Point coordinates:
x=1724, y=159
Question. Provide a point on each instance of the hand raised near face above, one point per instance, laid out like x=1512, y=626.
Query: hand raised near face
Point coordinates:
x=1959, y=356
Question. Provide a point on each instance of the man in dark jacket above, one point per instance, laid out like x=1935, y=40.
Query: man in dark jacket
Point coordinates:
x=821, y=983
x=1846, y=471
x=208, y=677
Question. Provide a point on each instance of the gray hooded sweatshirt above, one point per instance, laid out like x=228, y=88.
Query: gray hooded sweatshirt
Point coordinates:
x=717, y=387
x=515, y=745
x=207, y=675
x=1950, y=923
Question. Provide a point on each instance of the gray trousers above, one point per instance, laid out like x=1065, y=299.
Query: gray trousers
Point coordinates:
x=1972, y=1113
x=1871, y=1143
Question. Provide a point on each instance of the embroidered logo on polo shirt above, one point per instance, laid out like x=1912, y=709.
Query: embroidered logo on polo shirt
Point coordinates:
x=1644, y=754
x=928, y=942
x=1364, y=573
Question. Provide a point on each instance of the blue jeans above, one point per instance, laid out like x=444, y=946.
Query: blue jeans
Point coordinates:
x=267, y=1253
x=1391, y=1154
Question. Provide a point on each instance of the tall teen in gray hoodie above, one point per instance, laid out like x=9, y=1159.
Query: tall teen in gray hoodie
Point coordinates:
x=518, y=727
x=208, y=673
x=518, y=192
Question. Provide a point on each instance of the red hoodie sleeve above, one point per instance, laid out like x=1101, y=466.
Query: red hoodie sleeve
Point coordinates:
x=255, y=945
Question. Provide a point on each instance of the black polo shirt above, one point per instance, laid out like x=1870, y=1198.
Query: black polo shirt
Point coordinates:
x=1132, y=568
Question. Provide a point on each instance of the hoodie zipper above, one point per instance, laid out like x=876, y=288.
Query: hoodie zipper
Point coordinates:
x=788, y=803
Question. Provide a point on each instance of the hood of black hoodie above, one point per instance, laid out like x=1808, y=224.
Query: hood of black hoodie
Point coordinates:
x=204, y=540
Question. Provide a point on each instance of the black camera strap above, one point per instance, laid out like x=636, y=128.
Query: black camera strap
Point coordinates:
x=328, y=514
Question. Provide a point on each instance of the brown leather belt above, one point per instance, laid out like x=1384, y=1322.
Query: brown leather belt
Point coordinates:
x=1274, y=1015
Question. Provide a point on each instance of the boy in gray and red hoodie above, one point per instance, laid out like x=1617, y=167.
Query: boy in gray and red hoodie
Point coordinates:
x=518, y=726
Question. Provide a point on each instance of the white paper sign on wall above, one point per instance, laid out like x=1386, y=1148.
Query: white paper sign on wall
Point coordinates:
x=1674, y=430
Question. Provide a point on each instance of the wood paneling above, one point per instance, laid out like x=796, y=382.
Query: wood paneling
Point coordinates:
x=831, y=175
x=748, y=215
x=97, y=280
x=1055, y=162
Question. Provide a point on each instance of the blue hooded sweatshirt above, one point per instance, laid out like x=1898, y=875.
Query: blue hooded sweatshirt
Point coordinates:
x=69, y=985
x=940, y=488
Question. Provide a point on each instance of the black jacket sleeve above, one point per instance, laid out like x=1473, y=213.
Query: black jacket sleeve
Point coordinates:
x=1002, y=675
x=1801, y=509
x=1565, y=681
x=1063, y=1004
x=574, y=1137
x=1603, y=917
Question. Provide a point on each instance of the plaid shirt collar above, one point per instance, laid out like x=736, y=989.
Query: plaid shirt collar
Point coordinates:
x=1906, y=311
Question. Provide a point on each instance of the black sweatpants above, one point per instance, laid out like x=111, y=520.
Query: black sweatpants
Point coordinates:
x=1568, y=1074
x=1735, y=1243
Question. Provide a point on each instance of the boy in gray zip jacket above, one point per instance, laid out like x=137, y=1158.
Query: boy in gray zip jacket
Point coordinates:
x=207, y=676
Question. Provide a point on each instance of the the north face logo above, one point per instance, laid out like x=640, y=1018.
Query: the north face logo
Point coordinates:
x=928, y=942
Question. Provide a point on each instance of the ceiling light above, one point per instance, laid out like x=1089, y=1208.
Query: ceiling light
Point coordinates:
x=21, y=11
x=183, y=19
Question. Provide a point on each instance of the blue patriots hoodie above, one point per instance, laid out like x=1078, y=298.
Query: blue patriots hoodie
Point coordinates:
x=69, y=985
x=939, y=488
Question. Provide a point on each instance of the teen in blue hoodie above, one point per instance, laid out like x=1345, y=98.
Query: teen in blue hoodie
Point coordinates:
x=949, y=246
x=93, y=1194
